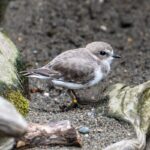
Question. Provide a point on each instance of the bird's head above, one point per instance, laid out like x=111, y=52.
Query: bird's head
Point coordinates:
x=103, y=51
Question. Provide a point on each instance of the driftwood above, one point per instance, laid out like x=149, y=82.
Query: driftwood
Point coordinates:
x=56, y=133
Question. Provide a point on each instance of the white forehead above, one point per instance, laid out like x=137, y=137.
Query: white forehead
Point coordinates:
x=100, y=46
x=109, y=51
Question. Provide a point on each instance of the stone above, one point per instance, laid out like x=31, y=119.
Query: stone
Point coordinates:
x=84, y=130
x=131, y=104
x=10, y=64
x=12, y=124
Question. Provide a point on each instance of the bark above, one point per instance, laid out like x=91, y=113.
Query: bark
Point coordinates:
x=56, y=133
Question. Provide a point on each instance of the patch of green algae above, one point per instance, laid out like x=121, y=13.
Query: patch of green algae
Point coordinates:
x=17, y=99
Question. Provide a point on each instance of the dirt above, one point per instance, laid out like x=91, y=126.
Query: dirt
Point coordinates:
x=42, y=29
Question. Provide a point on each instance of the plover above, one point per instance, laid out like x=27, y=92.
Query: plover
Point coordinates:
x=77, y=68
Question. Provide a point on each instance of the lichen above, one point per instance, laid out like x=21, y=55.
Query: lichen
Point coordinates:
x=144, y=110
x=18, y=100
x=132, y=104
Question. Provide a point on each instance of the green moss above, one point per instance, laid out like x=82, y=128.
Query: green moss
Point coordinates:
x=21, y=103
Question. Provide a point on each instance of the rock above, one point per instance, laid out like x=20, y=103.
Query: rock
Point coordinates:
x=132, y=104
x=10, y=63
x=6, y=143
x=84, y=130
x=91, y=95
x=12, y=124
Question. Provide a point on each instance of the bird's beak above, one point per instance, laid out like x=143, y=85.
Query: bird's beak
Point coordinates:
x=116, y=56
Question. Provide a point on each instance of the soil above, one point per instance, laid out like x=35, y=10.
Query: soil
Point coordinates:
x=42, y=29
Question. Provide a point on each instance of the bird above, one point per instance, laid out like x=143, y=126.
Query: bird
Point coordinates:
x=78, y=68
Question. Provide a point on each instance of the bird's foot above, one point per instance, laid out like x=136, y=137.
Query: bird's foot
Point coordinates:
x=73, y=105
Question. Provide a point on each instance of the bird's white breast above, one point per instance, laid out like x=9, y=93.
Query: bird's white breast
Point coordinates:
x=98, y=77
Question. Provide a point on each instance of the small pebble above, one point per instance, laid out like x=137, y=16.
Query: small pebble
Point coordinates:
x=129, y=134
x=84, y=130
x=86, y=135
x=92, y=113
x=125, y=70
x=36, y=63
x=130, y=40
x=35, y=51
x=46, y=94
x=101, y=1
x=103, y=27
x=20, y=39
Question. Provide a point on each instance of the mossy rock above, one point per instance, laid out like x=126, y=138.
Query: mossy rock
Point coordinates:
x=10, y=85
x=19, y=101
x=132, y=104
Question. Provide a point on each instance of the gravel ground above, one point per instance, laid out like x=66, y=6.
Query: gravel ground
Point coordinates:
x=41, y=29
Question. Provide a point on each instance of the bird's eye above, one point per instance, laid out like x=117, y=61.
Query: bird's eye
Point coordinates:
x=102, y=53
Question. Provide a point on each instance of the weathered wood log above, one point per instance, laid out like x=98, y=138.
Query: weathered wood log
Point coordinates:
x=56, y=133
x=12, y=124
x=10, y=86
x=131, y=104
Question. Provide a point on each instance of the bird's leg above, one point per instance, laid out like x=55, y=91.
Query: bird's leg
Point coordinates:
x=74, y=100
x=73, y=96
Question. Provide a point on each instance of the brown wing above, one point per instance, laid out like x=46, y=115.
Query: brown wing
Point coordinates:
x=73, y=65
x=74, y=70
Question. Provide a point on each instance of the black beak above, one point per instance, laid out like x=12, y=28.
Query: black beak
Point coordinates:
x=116, y=56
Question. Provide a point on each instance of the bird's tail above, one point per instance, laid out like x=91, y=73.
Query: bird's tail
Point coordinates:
x=41, y=73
